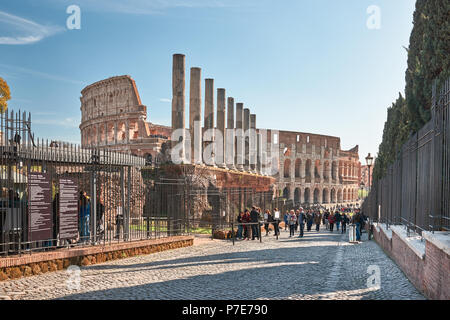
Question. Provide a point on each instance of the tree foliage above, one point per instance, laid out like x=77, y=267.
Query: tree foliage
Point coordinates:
x=428, y=60
x=428, y=57
x=5, y=95
x=395, y=133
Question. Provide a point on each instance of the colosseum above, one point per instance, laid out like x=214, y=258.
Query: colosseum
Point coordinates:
x=311, y=168
x=314, y=169
x=113, y=117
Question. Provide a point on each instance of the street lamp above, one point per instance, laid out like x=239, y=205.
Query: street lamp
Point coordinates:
x=369, y=162
x=362, y=190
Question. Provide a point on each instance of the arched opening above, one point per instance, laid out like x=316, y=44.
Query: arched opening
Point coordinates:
x=316, y=195
x=286, y=193
x=297, y=195
x=298, y=163
x=325, y=195
x=333, y=196
x=339, y=195
x=287, y=168
x=121, y=132
x=345, y=195
x=317, y=170
x=308, y=171
x=307, y=195
x=111, y=132
x=102, y=133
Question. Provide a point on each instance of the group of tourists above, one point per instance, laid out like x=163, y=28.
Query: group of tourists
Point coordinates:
x=249, y=223
x=296, y=220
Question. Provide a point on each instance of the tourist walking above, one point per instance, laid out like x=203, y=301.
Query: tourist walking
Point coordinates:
x=254, y=219
x=301, y=222
x=356, y=219
x=345, y=220
x=286, y=220
x=331, y=221
x=276, y=223
x=292, y=221
x=240, y=226
x=246, y=220
x=267, y=220
x=317, y=219
x=84, y=216
x=337, y=218
x=309, y=220
x=325, y=220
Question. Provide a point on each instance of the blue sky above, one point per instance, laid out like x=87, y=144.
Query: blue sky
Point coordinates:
x=300, y=65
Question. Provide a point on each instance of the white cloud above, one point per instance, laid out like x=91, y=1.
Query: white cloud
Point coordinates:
x=165, y=100
x=149, y=6
x=24, y=31
x=20, y=70
x=66, y=122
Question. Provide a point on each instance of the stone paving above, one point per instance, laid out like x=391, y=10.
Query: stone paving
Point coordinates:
x=321, y=265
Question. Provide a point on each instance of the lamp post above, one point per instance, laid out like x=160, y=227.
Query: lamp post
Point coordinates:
x=369, y=162
x=362, y=190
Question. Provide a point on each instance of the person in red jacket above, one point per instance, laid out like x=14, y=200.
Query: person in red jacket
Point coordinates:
x=331, y=220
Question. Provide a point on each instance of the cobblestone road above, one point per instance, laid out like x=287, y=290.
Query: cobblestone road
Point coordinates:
x=319, y=266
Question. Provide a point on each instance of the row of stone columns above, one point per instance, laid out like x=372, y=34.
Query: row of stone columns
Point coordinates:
x=240, y=148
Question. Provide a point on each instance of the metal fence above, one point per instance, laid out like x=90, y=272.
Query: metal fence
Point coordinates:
x=58, y=195
x=415, y=190
x=190, y=209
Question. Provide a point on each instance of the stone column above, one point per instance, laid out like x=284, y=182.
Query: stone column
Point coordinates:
x=247, y=139
x=252, y=143
x=195, y=115
x=127, y=129
x=220, y=154
x=312, y=171
x=178, y=98
x=259, y=141
x=97, y=129
x=115, y=132
x=209, y=112
x=240, y=150
x=230, y=137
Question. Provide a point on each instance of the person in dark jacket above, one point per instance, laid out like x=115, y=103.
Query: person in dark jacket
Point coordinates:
x=345, y=220
x=254, y=217
x=331, y=221
x=240, y=226
x=245, y=220
x=276, y=221
x=309, y=220
x=356, y=219
x=337, y=218
x=301, y=222
x=317, y=219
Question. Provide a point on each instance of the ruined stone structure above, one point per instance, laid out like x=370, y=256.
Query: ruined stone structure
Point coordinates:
x=314, y=170
x=308, y=168
x=113, y=117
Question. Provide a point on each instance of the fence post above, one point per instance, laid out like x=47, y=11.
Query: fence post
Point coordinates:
x=232, y=232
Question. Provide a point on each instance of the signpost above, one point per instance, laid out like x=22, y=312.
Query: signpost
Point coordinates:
x=40, y=207
x=68, y=208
